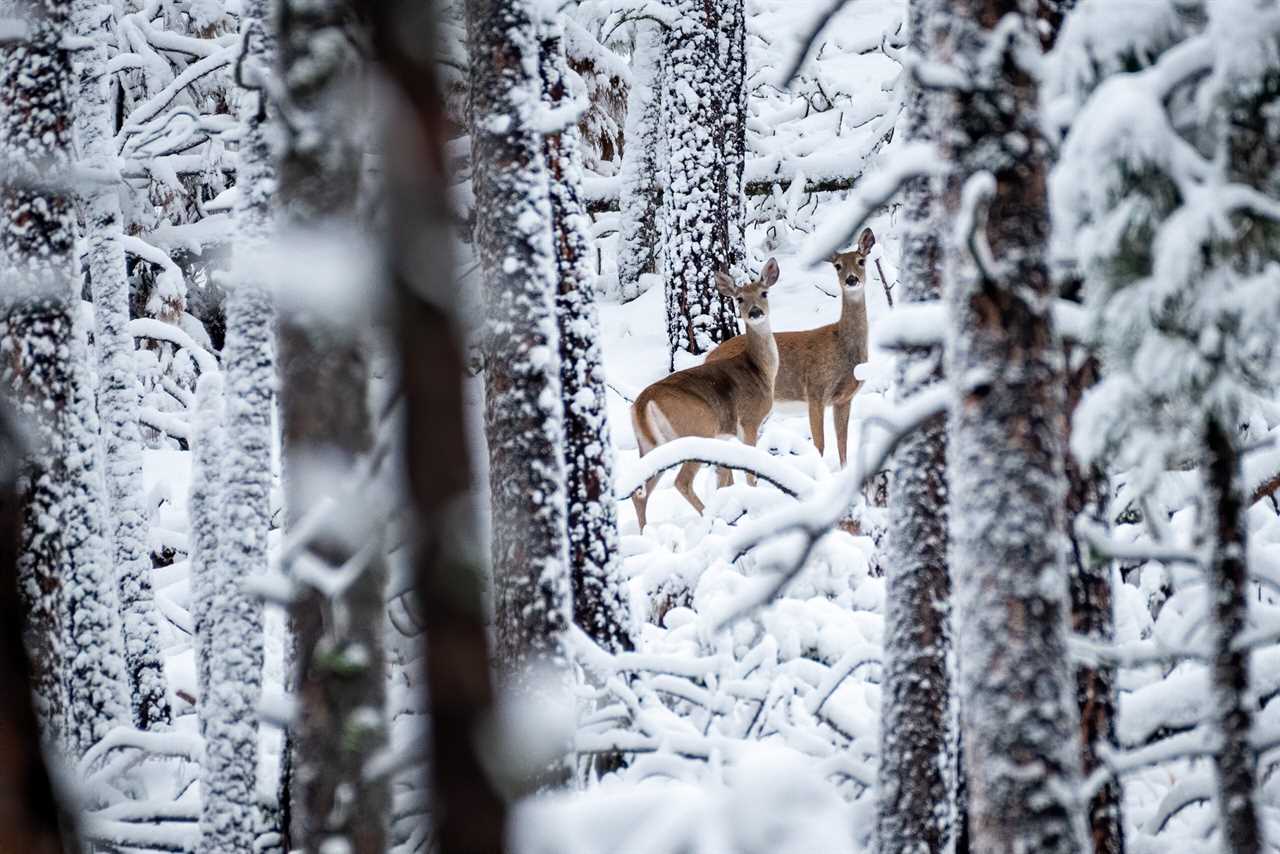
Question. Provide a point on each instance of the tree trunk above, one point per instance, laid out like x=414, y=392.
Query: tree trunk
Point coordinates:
x=917, y=791
x=229, y=818
x=31, y=817
x=524, y=414
x=468, y=814
x=339, y=677
x=75, y=636
x=1234, y=761
x=1005, y=451
x=730, y=20
x=119, y=394
x=599, y=602
x=695, y=233
x=642, y=165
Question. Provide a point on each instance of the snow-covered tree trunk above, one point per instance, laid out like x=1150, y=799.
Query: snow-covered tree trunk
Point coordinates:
x=119, y=393
x=694, y=229
x=599, y=603
x=1019, y=722
x=468, y=814
x=67, y=569
x=1227, y=580
x=642, y=165
x=31, y=817
x=524, y=413
x=339, y=674
x=229, y=816
x=208, y=523
x=917, y=762
x=732, y=93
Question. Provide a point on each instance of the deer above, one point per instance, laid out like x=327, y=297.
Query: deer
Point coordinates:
x=729, y=398
x=816, y=366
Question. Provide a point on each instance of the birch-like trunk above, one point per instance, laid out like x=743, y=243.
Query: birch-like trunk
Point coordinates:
x=119, y=393
x=642, y=165
x=229, y=818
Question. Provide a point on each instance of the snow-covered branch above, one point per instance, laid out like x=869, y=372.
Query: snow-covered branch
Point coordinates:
x=913, y=160
x=715, y=452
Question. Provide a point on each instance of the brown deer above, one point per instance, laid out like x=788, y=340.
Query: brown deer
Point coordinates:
x=729, y=398
x=816, y=365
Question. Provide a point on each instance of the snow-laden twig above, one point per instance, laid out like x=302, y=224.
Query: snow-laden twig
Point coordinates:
x=715, y=452
x=971, y=224
x=913, y=160
x=819, y=514
x=1096, y=536
x=810, y=38
x=158, y=330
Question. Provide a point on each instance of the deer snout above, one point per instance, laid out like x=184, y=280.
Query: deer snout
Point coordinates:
x=850, y=281
x=755, y=313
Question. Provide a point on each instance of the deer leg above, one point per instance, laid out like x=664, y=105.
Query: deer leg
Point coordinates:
x=841, y=413
x=724, y=477
x=750, y=432
x=684, y=483
x=640, y=498
x=817, y=409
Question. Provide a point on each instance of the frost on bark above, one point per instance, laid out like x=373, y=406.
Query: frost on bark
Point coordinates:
x=228, y=819
x=468, y=815
x=599, y=603
x=731, y=30
x=66, y=568
x=1019, y=723
x=694, y=229
x=339, y=672
x=31, y=817
x=642, y=165
x=207, y=521
x=524, y=414
x=917, y=785
x=119, y=393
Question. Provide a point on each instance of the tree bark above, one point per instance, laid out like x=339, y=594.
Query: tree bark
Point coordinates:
x=1234, y=761
x=1018, y=718
x=468, y=814
x=524, y=413
x=694, y=228
x=119, y=393
x=641, y=195
x=339, y=673
x=599, y=602
x=32, y=818
x=917, y=785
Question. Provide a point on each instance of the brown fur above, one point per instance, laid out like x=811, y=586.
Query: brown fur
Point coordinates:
x=728, y=398
x=816, y=366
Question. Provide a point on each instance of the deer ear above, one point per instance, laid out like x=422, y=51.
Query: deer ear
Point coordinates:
x=769, y=275
x=866, y=240
x=725, y=285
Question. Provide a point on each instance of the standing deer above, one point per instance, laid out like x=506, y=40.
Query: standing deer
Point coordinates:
x=729, y=398
x=816, y=365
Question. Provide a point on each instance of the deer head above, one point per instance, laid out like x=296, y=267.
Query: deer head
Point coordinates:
x=851, y=267
x=752, y=298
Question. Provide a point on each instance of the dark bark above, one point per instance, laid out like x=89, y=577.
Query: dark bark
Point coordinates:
x=523, y=410
x=1234, y=761
x=1093, y=617
x=339, y=673
x=1006, y=447
x=916, y=778
x=599, y=602
x=468, y=814
x=32, y=820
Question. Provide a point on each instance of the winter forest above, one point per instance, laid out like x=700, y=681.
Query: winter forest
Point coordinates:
x=399, y=451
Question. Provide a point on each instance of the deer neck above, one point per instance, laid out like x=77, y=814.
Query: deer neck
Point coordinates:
x=762, y=347
x=853, y=323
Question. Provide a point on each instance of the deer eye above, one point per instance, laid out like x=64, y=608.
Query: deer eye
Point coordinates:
x=764, y=295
